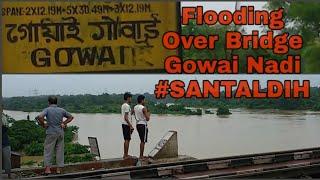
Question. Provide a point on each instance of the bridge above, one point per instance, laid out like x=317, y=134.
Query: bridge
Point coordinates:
x=282, y=164
x=298, y=163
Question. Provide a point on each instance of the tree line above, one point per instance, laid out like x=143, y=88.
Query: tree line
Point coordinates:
x=110, y=103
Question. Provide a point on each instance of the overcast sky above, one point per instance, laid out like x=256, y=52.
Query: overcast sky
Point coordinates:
x=28, y=85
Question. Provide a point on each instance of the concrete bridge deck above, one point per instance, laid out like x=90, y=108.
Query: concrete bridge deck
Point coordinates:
x=164, y=162
x=281, y=164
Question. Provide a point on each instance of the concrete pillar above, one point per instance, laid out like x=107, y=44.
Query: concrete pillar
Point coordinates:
x=167, y=147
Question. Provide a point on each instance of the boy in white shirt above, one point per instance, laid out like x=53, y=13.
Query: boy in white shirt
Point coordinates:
x=142, y=116
x=126, y=119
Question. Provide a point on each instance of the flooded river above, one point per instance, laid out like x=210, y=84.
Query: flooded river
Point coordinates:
x=207, y=136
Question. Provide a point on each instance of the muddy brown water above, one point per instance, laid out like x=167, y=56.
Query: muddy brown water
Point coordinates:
x=242, y=132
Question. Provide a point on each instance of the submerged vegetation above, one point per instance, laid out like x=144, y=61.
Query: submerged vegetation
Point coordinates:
x=223, y=110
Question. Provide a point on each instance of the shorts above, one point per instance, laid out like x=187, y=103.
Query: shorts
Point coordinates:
x=126, y=131
x=143, y=132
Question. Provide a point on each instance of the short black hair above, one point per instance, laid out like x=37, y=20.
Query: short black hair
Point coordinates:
x=52, y=99
x=127, y=95
x=140, y=98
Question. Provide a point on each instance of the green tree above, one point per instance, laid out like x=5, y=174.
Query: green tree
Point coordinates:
x=23, y=133
x=303, y=18
x=34, y=149
x=75, y=149
x=311, y=55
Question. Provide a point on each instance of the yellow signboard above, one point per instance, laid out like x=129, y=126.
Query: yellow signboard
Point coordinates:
x=91, y=36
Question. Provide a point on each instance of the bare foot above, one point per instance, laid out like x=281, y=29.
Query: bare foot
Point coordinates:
x=143, y=157
x=47, y=171
x=58, y=171
x=127, y=156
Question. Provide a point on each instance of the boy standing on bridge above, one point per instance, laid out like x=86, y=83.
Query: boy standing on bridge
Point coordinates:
x=142, y=116
x=6, y=149
x=126, y=120
x=54, y=133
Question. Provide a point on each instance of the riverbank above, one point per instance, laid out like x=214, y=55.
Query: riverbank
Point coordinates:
x=110, y=103
x=185, y=112
x=206, y=110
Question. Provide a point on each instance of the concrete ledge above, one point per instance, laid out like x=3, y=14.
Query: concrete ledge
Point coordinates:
x=77, y=167
x=180, y=158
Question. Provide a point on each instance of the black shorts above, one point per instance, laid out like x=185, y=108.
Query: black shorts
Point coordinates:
x=143, y=132
x=126, y=131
